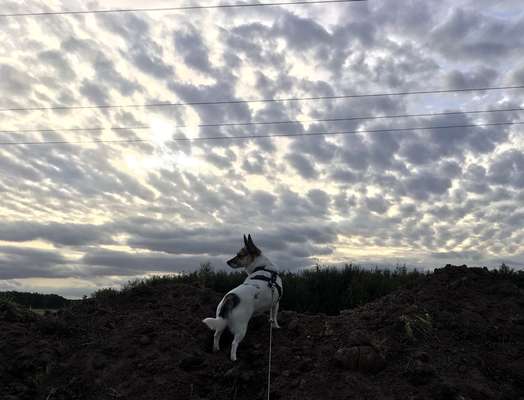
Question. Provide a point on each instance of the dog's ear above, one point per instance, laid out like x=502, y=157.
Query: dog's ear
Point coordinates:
x=245, y=242
x=251, y=248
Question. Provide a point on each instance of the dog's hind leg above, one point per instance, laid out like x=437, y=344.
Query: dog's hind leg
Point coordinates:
x=218, y=325
x=239, y=331
x=216, y=340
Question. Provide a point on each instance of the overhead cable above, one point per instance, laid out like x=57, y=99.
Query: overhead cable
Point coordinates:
x=264, y=136
x=254, y=123
x=221, y=102
x=179, y=8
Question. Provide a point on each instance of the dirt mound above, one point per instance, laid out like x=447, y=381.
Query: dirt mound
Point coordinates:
x=458, y=334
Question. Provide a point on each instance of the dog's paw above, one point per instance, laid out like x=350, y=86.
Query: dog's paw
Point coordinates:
x=216, y=349
x=275, y=325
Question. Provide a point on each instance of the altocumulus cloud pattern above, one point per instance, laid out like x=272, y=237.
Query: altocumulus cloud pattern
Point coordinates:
x=79, y=216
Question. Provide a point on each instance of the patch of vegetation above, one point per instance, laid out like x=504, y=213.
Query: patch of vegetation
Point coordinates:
x=320, y=290
x=517, y=277
x=11, y=311
x=329, y=290
x=106, y=293
x=36, y=300
x=417, y=325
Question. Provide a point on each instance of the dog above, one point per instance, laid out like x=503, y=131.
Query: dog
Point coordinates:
x=261, y=291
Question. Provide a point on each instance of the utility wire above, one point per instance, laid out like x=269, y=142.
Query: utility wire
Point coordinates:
x=228, y=124
x=220, y=102
x=179, y=8
x=275, y=135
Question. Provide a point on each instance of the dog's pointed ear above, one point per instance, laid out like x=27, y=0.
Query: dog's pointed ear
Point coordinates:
x=251, y=248
x=245, y=242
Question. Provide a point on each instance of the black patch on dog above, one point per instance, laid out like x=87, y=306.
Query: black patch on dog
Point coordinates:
x=230, y=302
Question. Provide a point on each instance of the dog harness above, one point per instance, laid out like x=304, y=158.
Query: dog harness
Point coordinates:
x=271, y=281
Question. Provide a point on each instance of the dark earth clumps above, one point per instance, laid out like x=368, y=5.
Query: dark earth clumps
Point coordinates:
x=456, y=335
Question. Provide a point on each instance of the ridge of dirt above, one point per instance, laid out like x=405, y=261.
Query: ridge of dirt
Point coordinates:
x=457, y=335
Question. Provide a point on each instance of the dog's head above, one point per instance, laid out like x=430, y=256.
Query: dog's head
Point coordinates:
x=246, y=256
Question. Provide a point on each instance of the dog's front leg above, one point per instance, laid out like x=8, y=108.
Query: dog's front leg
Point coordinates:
x=273, y=315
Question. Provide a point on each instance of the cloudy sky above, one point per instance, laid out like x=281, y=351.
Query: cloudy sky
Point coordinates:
x=80, y=216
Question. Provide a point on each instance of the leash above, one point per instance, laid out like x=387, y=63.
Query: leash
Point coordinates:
x=271, y=316
x=272, y=283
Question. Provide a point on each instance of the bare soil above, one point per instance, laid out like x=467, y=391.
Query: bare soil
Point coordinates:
x=456, y=335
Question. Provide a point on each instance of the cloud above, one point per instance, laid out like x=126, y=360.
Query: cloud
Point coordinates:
x=150, y=62
x=508, y=169
x=302, y=165
x=482, y=77
x=96, y=94
x=475, y=35
x=14, y=81
x=425, y=184
x=107, y=73
x=464, y=255
x=123, y=263
x=20, y=262
x=377, y=204
x=300, y=33
x=194, y=51
x=59, y=63
x=60, y=234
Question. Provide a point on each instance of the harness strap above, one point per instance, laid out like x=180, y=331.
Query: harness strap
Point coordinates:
x=271, y=282
x=263, y=268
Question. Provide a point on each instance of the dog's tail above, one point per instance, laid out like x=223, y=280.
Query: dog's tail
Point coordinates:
x=215, y=324
x=230, y=301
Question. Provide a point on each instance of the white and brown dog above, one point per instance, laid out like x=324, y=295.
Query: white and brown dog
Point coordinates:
x=260, y=292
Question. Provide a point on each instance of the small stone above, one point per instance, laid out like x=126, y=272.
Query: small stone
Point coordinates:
x=422, y=356
x=361, y=358
x=99, y=363
x=346, y=358
x=306, y=365
x=232, y=373
x=293, y=325
x=192, y=363
x=144, y=340
x=246, y=376
x=444, y=391
x=420, y=373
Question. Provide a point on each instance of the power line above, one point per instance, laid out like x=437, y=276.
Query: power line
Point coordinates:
x=228, y=124
x=265, y=136
x=179, y=8
x=220, y=102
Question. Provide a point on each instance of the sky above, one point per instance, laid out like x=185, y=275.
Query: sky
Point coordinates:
x=81, y=216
